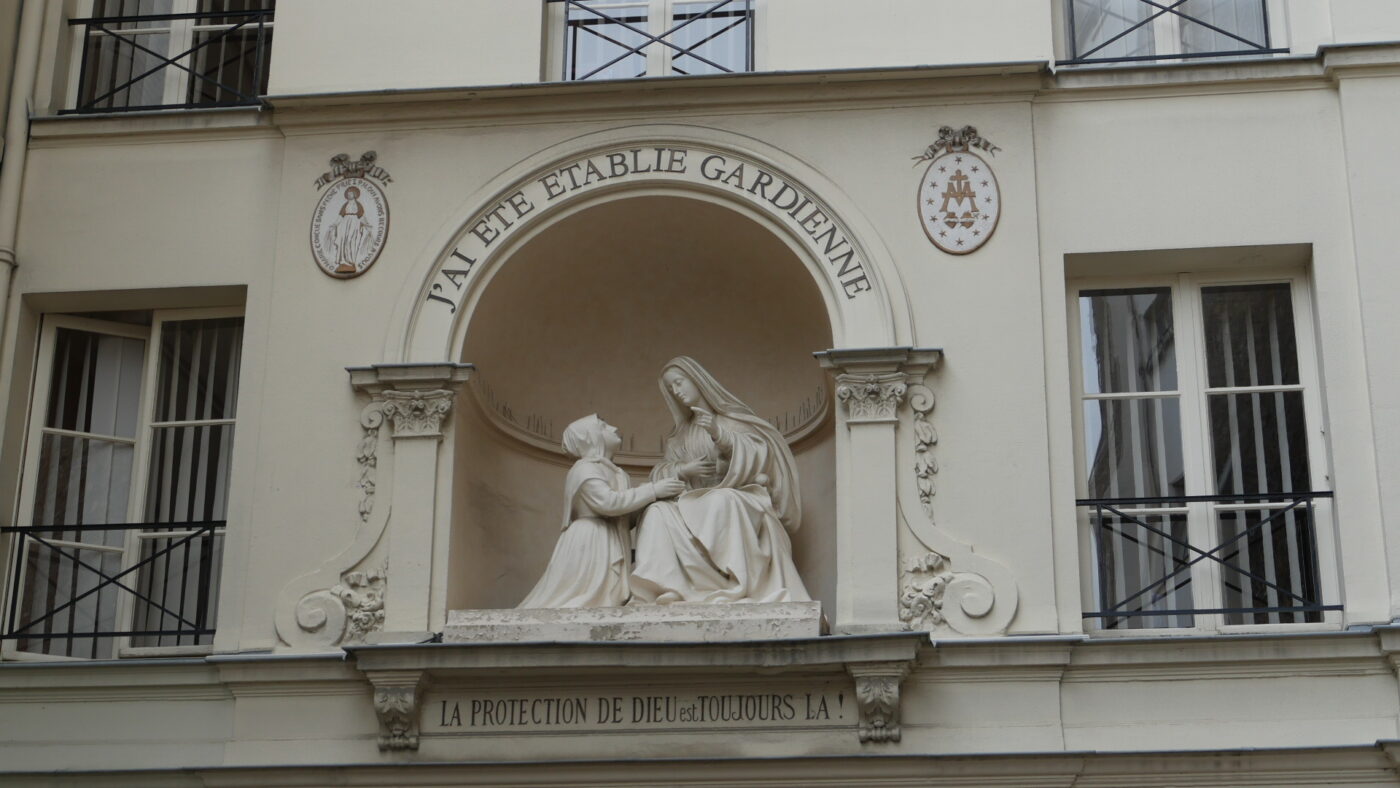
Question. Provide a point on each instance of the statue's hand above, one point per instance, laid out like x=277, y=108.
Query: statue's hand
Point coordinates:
x=705, y=420
x=697, y=468
x=667, y=488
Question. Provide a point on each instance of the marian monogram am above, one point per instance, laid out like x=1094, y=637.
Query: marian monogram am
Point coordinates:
x=959, y=201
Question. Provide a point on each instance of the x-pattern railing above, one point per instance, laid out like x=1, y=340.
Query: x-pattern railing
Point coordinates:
x=1249, y=47
x=739, y=10
x=128, y=36
x=15, y=630
x=1158, y=587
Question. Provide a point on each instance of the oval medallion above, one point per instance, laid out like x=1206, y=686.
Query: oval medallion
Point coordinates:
x=959, y=202
x=349, y=227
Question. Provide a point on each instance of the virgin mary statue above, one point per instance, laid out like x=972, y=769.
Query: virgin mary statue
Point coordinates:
x=726, y=538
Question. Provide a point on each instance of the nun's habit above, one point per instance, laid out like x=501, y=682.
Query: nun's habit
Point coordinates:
x=589, y=567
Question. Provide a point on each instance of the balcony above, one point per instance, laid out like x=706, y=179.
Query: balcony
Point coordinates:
x=1129, y=31
x=1261, y=565
x=94, y=591
x=213, y=55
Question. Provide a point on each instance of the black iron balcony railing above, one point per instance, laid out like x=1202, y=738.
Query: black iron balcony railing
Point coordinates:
x=173, y=61
x=68, y=589
x=611, y=41
x=1264, y=560
x=1125, y=31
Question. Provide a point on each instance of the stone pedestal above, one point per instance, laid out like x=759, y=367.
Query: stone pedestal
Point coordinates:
x=695, y=623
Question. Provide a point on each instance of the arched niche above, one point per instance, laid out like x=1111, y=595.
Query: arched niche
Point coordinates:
x=579, y=319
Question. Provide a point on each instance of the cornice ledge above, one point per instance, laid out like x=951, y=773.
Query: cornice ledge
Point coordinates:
x=375, y=379
x=1368, y=59
x=831, y=653
x=1303, y=647
x=220, y=122
x=660, y=85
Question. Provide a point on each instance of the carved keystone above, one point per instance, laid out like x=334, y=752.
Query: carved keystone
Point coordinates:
x=877, y=696
x=396, y=697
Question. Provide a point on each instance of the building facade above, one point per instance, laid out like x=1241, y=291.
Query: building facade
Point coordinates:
x=1073, y=317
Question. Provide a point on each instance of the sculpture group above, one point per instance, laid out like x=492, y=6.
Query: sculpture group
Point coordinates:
x=712, y=524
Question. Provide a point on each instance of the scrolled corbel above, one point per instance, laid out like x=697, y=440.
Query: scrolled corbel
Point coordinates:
x=397, y=695
x=878, y=699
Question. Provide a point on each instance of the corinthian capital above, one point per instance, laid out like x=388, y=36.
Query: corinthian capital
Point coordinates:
x=416, y=398
x=417, y=414
x=873, y=382
x=871, y=397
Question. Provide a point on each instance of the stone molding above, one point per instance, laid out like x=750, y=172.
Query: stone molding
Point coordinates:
x=342, y=601
x=877, y=695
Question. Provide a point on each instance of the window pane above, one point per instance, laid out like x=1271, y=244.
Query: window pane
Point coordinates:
x=198, y=376
x=181, y=586
x=1128, y=340
x=55, y=577
x=720, y=36
x=189, y=474
x=1133, y=448
x=1270, y=562
x=597, y=44
x=95, y=385
x=1143, y=567
x=227, y=67
x=1249, y=336
x=124, y=70
x=109, y=8
x=214, y=6
x=1112, y=28
x=1259, y=443
x=1244, y=19
x=82, y=481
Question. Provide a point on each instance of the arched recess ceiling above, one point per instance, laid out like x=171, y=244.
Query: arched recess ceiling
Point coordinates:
x=866, y=303
x=581, y=318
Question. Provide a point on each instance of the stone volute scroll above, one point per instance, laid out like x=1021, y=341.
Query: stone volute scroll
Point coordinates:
x=353, y=597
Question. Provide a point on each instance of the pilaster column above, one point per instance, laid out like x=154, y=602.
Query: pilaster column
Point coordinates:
x=417, y=400
x=871, y=383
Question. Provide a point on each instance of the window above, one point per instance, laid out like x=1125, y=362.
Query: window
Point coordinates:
x=125, y=486
x=1113, y=31
x=624, y=39
x=157, y=54
x=1200, y=457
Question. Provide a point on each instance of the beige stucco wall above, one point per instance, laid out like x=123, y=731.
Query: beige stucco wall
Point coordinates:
x=205, y=208
x=352, y=45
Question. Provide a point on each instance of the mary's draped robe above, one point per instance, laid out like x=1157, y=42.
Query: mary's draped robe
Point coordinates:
x=726, y=539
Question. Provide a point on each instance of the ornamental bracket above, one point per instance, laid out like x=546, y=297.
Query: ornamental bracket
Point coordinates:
x=878, y=698
x=397, y=694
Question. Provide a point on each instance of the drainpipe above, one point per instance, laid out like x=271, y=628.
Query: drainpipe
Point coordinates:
x=17, y=146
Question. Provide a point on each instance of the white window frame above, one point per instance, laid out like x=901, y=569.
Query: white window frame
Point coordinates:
x=182, y=34
x=1190, y=352
x=140, y=474
x=1166, y=33
x=660, y=18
